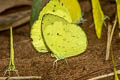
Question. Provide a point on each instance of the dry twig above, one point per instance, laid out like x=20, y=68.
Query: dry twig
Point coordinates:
x=20, y=77
x=110, y=36
x=104, y=76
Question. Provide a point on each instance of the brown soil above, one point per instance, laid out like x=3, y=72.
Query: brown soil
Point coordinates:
x=90, y=64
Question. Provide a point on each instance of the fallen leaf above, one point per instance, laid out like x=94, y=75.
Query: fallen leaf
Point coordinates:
x=12, y=15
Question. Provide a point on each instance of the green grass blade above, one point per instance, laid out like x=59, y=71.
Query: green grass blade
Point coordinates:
x=98, y=17
x=115, y=73
x=11, y=65
x=115, y=70
x=36, y=8
x=118, y=11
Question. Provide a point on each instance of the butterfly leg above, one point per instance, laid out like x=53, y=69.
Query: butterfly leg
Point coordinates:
x=55, y=63
x=66, y=61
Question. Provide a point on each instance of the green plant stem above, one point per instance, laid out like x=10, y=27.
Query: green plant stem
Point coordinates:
x=113, y=62
x=11, y=65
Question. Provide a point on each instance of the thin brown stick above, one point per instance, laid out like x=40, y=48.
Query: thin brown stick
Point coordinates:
x=91, y=25
x=23, y=41
x=104, y=76
x=108, y=41
x=110, y=38
x=20, y=77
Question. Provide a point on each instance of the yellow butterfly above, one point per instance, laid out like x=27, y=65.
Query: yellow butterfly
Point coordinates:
x=62, y=38
x=73, y=7
x=53, y=7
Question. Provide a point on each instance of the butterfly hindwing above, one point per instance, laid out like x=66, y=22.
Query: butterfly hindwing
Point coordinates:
x=63, y=38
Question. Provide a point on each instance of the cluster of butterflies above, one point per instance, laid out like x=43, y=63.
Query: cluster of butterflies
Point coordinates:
x=56, y=30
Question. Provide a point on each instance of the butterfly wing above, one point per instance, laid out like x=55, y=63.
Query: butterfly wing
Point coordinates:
x=63, y=38
x=53, y=7
x=73, y=7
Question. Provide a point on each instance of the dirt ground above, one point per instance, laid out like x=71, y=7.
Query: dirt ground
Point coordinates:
x=90, y=64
